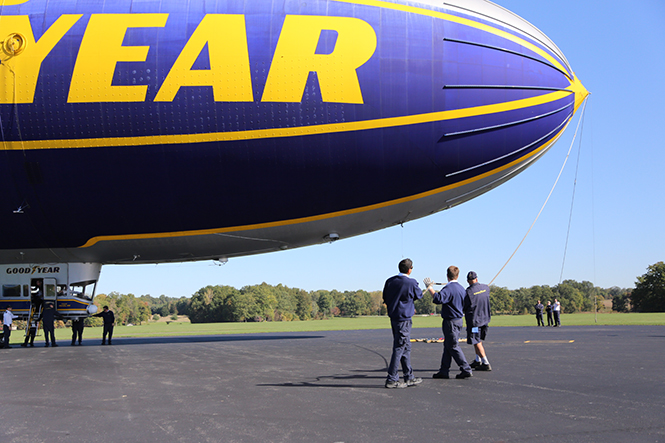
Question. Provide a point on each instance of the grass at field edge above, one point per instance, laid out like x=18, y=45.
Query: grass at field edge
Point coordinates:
x=163, y=329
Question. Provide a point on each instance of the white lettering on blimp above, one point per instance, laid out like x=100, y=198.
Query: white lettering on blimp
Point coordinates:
x=225, y=37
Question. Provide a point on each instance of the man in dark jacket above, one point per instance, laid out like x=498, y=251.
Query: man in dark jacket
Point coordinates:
x=477, y=314
x=539, y=313
x=548, y=309
x=109, y=323
x=399, y=292
x=451, y=299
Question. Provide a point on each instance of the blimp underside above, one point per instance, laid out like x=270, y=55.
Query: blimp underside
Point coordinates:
x=173, y=131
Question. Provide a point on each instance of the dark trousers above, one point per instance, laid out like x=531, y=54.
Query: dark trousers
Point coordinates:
x=107, y=330
x=77, y=331
x=7, y=331
x=451, y=349
x=49, y=332
x=539, y=319
x=401, y=350
x=557, y=319
x=30, y=338
x=549, y=319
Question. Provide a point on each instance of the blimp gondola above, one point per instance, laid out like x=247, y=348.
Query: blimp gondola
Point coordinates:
x=165, y=131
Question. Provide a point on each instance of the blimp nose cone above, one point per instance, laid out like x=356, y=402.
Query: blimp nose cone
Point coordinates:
x=579, y=90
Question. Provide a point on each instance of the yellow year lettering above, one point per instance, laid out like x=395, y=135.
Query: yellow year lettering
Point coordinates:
x=101, y=49
x=229, y=73
x=295, y=57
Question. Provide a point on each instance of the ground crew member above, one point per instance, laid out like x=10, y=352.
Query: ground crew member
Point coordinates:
x=556, y=310
x=548, y=309
x=539, y=313
x=477, y=314
x=451, y=299
x=7, y=319
x=109, y=323
x=399, y=292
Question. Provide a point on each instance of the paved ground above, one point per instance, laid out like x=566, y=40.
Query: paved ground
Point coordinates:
x=571, y=384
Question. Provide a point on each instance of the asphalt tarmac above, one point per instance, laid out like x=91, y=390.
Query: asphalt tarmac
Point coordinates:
x=569, y=384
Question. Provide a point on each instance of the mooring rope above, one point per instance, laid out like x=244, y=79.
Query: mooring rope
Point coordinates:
x=548, y=196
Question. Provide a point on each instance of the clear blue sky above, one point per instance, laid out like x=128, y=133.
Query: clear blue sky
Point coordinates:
x=617, y=50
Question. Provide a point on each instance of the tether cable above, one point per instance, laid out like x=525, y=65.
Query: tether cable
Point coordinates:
x=572, y=202
x=548, y=196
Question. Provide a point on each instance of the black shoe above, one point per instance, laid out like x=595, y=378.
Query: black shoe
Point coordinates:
x=54, y=345
x=484, y=367
x=413, y=381
x=395, y=384
x=110, y=343
x=441, y=375
x=32, y=345
x=475, y=364
x=103, y=343
x=73, y=343
x=464, y=375
x=23, y=345
x=47, y=345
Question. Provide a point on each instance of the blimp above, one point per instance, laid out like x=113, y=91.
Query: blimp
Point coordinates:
x=149, y=131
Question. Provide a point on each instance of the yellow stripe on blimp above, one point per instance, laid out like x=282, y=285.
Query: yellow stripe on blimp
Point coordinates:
x=288, y=132
x=461, y=21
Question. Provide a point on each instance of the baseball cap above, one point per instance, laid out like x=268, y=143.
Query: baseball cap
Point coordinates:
x=471, y=275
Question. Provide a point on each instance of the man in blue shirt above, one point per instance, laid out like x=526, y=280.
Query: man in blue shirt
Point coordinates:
x=477, y=314
x=399, y=293
x=539, y=313
x=451, y=299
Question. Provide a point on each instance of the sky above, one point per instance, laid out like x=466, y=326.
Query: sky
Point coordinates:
x=606, y=214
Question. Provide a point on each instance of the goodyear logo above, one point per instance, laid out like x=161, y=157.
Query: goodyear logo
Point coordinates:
x=224, y=36
x=34, y=270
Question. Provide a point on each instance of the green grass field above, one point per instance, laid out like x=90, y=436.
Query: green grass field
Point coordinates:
x=180, y=328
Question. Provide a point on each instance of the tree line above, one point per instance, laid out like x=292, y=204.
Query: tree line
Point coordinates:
x=266, y=302
x=648, y=295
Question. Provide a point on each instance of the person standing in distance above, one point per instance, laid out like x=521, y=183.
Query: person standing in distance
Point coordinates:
x=451, y=299
x=7, y=319
x=556, y=310
x=109, y=323
x=477, y=314
x=399, y=293
x=548, y=309
x=539, y=313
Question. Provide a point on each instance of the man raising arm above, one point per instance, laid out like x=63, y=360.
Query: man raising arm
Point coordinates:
x=451, y=299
